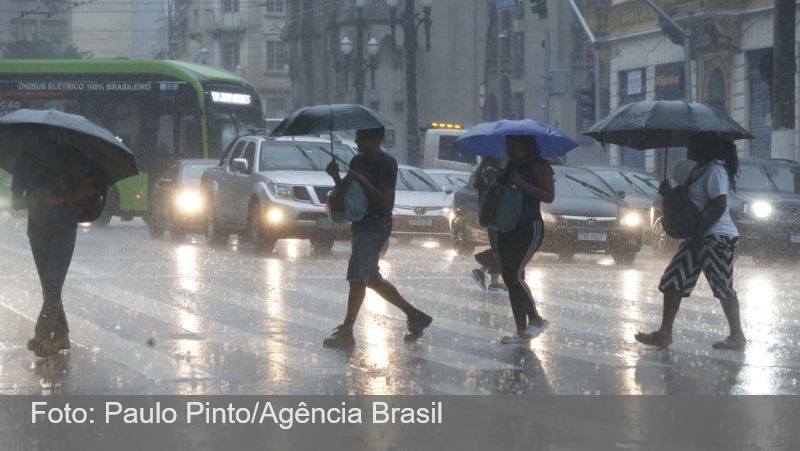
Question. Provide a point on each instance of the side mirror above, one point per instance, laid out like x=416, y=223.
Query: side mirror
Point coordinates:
x=621, y=194
x=239, y=165
x=449, y=190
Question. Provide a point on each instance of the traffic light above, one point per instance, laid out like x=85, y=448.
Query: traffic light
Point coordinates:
x=539, y=7
x=586, y=98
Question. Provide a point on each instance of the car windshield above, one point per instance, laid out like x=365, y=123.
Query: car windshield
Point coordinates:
x=191, y=173
x=785, y=178
x=415, y=180
x=630, y=182
x=753, y=178
x=454, y=181
x=581, y=184
x=302, y=156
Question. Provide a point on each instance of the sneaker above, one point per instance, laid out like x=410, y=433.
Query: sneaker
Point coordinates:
x=479, y=278
x=61, y=342
x=416, y=326
x=341, y=338
x=42, y=348
x=498, y=288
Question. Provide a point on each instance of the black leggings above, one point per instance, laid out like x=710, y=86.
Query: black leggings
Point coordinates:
x=515, y=249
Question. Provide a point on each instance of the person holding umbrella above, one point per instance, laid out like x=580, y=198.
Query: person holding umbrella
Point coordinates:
x=711, y=249
x=50, y=181
x=376, y=171
x=525, y=143
x=62, y=165
x=708, y=135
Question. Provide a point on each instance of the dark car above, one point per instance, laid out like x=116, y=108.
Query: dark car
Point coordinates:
x=639, y=189
x=765, y=208
x=176, y=203
x=587, y=216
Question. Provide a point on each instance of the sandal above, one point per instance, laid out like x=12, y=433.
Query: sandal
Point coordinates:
x=654, y=339
x=535, y=331
x=732, y=344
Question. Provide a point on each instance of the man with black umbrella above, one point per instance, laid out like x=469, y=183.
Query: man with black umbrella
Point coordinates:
x=50, y=181
x=376, y=171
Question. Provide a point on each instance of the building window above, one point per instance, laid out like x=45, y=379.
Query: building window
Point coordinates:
x=276, y=56
x=230, y=6
x=231, y=57
x=275, y=6
x=54, y=30
x=23, y=29
x=632, y=87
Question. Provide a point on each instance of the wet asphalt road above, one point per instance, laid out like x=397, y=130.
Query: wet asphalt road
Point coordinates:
x=164, y=317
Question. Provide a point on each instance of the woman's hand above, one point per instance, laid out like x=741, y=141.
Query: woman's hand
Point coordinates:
x=664, y=188
x=516, y=179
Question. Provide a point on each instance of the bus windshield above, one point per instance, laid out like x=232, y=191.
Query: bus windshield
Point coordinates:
x=226, y=124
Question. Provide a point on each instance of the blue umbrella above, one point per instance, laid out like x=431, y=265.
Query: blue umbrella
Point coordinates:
x=489, y=138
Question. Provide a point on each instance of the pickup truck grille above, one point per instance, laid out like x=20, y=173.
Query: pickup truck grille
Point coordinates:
x=322, y=193
x=301, y=193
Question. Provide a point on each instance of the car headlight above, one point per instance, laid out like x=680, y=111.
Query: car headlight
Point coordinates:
x=189, y=201
x=446, y=211
x=281, y=191
x=760, y=209
x=549, y=217
x=631, y=219
x=275, y=216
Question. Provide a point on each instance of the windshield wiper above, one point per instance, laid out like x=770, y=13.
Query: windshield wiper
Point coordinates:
x=334, y=156
x=648, y=182
x=419, y=177
x=310, y=161
x=631, y=183
x=589, y=186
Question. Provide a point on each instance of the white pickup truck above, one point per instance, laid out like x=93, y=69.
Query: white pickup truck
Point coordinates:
x=265, y=189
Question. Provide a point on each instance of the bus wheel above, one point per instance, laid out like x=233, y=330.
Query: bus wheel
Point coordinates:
x=112, y=205
x=156, y=229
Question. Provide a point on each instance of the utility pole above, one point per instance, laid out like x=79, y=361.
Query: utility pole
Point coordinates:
x=596, y=47
x=359, y=73
x=783, y=82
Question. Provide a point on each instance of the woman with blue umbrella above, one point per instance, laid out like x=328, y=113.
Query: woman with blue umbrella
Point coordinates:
x=525, y=144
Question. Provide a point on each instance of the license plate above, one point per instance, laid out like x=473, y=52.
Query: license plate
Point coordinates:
x=326, y=223
x=592, y=236
x=421, y=221
x=796, y=238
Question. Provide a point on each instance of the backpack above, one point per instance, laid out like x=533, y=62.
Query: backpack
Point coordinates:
x=91, y=207
x=347, y=203
x=680, y=217
x=501, y=207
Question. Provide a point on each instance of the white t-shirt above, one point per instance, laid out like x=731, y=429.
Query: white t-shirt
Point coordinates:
x=710, y=182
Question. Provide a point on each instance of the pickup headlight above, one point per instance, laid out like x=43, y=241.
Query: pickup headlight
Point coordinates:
x=631, y=219
x=281, y=191
x=549, y=217
x=189, y=201
x=759, y=209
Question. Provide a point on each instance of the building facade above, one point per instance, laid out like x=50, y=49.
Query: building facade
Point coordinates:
x=240, y=36
x=48, y=21
x=731, y=65
x=119, y=29
x=448, y=77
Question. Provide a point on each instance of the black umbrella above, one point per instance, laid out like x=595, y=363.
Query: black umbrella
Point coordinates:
x=93, y=141
x=660, y=124
x=318, y=119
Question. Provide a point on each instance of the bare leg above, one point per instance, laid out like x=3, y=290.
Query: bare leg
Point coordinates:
x=663, y=336
x=358, y=290
x=736, y=340
x=389, y=292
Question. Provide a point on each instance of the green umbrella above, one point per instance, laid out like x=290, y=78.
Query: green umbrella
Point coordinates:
x=660, y=124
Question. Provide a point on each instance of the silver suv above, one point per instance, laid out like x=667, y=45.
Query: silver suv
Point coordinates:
x=265, y=189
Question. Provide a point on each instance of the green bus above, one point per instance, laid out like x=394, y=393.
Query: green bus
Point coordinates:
x=162, y=110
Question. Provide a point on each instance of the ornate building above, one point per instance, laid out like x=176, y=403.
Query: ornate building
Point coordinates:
x=731, y=48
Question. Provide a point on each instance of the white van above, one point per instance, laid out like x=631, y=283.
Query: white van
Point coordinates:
x=438, y=150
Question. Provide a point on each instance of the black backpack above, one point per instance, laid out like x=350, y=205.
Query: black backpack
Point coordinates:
x=681, y=217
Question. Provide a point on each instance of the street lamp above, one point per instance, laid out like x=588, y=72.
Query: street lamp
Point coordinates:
x=410, y=20
x=359, y=65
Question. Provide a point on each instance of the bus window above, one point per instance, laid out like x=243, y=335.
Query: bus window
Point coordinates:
x=250, y=156
x=165, y=135
x=448, y=152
